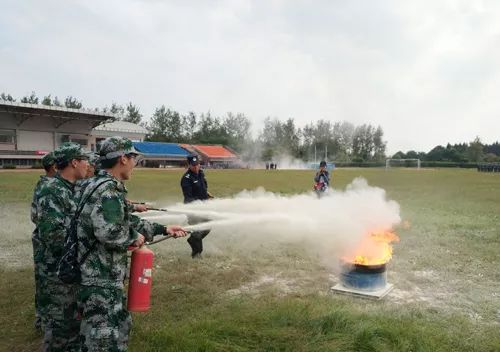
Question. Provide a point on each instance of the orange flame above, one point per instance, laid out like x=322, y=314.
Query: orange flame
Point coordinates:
x=373, y=249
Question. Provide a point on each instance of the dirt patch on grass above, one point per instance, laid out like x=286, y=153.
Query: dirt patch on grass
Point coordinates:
x=15, y=232
x=283, y=286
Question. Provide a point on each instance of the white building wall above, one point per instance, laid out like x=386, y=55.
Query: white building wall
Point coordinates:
x=43, y=133
x=31, y=140
x=97, y=136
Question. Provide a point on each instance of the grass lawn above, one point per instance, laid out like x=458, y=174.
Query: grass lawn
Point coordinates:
x=445, y=271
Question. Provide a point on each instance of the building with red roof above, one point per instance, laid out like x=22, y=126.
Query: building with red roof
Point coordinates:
x=215, y=155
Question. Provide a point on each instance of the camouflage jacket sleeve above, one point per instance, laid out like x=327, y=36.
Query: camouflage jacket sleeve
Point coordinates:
x=33, y=211
x=146, y=228
x=130, y=206
x=36, y=192
x=52, y=212
x=110, y=221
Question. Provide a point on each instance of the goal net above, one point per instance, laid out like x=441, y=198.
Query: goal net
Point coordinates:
x=402, y=163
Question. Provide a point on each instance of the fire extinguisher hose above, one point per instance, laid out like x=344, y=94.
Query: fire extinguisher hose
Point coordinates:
x=160, y=239
x=164, y=238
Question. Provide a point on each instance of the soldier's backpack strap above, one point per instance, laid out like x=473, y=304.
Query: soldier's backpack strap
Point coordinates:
x=77, y=215
x=68, y=269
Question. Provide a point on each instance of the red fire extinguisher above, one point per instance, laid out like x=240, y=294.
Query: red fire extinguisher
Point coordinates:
x=139, y=288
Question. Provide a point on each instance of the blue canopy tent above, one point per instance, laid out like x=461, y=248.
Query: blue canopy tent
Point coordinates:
x=157, y=154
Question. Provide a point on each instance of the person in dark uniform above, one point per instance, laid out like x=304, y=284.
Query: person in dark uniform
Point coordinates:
x=195, y=187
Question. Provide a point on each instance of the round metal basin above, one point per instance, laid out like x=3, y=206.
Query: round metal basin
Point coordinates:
x=364, y=277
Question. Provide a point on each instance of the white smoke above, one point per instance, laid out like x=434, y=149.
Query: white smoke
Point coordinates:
x=288, y=162
x=282, y=162
x=329, y=225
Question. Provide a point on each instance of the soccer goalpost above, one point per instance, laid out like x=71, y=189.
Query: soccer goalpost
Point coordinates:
x=402, y=163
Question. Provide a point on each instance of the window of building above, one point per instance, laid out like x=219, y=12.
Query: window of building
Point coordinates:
x=8, y=136
x=82, y=142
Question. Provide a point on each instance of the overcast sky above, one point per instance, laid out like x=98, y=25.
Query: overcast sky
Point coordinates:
x=428, y=72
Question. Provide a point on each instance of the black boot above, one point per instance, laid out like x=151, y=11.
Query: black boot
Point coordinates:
x=196, y=242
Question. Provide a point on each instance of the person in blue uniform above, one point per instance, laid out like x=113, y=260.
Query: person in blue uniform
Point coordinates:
x=195, y=187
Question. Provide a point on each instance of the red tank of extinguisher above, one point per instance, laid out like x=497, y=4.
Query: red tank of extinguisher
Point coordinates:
x=139, y=288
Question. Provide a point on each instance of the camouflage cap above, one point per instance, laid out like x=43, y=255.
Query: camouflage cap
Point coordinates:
x=48, y=160
x=113, y=147
x=69, y=151
x=94, y=159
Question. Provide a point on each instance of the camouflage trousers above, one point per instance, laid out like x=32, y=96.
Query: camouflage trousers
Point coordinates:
x=106, y=322
x=58, y=308
x=38, y=315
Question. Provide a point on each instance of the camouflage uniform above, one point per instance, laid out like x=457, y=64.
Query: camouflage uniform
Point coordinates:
x=52, y=209
x=47, y=160
x=105, y=230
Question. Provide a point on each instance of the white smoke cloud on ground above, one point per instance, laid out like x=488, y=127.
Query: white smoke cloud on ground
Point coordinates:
x=329, y=226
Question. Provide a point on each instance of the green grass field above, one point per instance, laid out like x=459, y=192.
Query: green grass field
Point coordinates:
x=445, y=271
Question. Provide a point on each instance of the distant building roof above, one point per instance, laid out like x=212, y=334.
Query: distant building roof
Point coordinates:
x=215, y=151
x=122, y=126
x=62, y=113
x=157, y=149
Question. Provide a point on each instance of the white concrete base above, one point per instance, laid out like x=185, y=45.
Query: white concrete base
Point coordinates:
x=378, y=294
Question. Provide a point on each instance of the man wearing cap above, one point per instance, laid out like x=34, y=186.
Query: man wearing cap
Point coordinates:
x=49, y=164
x=195, y=187
x=53, y=208
x=93, y=165
x=105, y=230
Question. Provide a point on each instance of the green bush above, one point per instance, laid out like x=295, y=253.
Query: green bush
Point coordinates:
x=423, y=163
x=37, y=166
x=9, y=166
x=465, y=165
x=360, y=164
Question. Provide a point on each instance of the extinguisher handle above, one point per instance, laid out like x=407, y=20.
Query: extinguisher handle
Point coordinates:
x=164, y=238
x=160, y=239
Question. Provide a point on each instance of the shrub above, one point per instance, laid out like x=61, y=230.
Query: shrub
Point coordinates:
x=9, y=166
x=37, y=166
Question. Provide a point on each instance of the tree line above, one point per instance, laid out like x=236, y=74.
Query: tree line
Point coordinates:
x=342, y=141
x=471, y=152
x=322, y=139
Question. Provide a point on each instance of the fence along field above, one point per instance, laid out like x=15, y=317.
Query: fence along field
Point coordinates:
x=276, y=297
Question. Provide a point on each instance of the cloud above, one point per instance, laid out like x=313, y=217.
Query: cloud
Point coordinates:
x=425, y=71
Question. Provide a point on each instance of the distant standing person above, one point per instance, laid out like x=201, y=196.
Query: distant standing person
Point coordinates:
x=93, y=165
x=195, y=187
x=321, y=179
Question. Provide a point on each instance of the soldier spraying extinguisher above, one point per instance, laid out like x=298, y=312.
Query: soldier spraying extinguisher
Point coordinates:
x=105, y=230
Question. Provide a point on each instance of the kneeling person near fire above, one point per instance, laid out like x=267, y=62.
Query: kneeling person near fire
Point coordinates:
x=105, y=230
